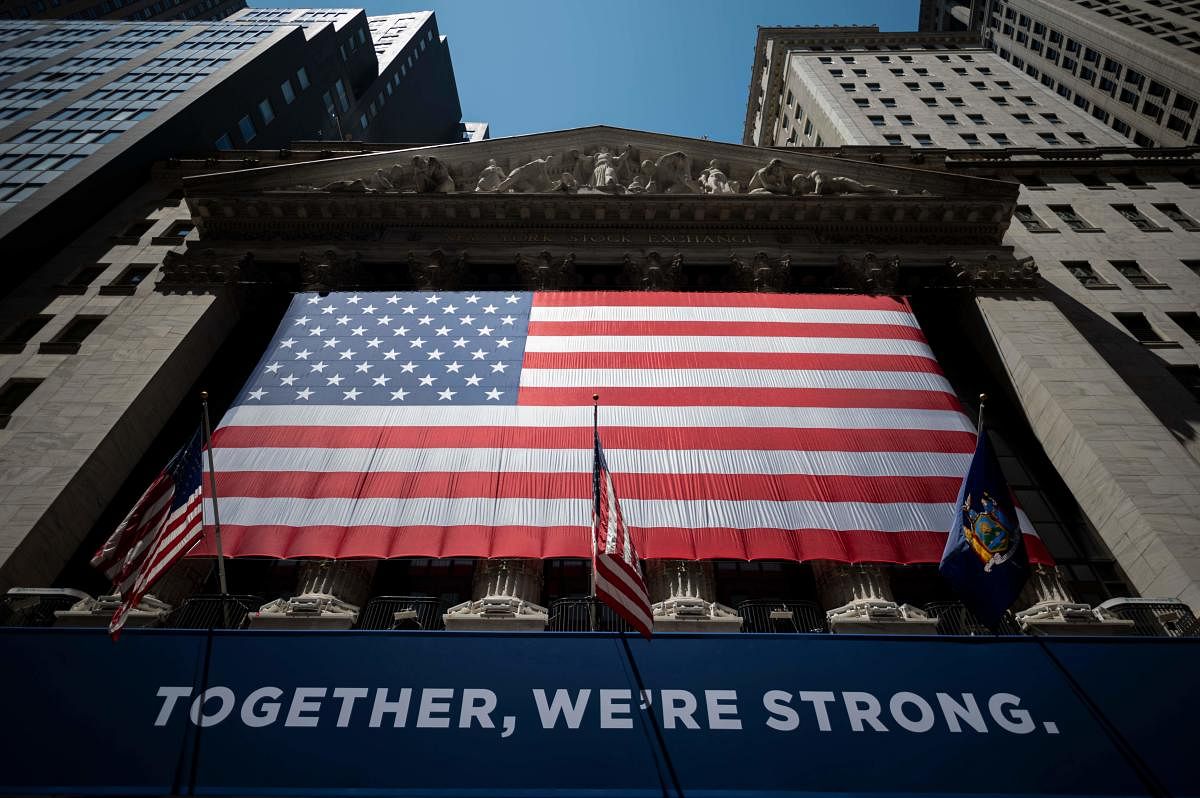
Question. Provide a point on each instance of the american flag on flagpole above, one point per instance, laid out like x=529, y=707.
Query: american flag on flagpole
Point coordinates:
x=448, y=424
x=616, y=569
x=164, y=524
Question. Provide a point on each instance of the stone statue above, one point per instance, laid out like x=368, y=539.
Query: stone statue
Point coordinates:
x=607, y=168
x=534, y=176
x=430, y=176
x=642, y=179
x=491, y=177
x=771, y=179
x=673, y=175
x=355, y=186
x=815, y=182
x=714, y=181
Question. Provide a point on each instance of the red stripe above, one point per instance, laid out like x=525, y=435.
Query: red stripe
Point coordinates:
x=135, y=526
x=515, y=485
x=716, y=300
x=339, y=542
x=664, y=438
x=743, y=397
x=730, y=360
x=705, y=329
x=609, y=567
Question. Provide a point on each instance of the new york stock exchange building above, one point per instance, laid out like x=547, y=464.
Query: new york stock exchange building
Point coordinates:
x=401, y=349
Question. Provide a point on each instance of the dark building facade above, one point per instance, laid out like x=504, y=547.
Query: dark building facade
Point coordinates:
x=130, y=10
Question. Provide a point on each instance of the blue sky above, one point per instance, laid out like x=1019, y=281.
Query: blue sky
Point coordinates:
x=668, y=66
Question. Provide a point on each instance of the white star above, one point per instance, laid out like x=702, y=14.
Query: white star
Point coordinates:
x=450, y=309
x=288, y=344
x=369, y=309
x=512, y=299
x=442, y=331
x=374, y=343
x=472, y=299
x=400, y=331
x=454, y=367
x=427, y=380
x=390, y=354
x=485, y=330
x=352, y=394
x=303, y=354
x=432, y=300
x=349, y=353
x=460, y=343
x=359, y=330
x=259, y=394
x=317, y=331
x=288, y=380
x=384, y=320
x=274, y=367
x=336, y=379
x=499, y=367
x=304, y=394
x=363, y=367
x=467, y=320
x=354, y=300
x=495, y=394
x=473, y=380
x=503, y=342
x=425, y=320
x=393, y=299
x=416, y=343
x=381, y=380
x=300, y=322
x=436, y=354
x=343, y=319
x=328, y=309
x=489, y=309
x=446, y=394
x=409, y=309
x=478, y=354
x=318, y=367
x=314, y=300
x=508, y=319
x=408, y=368
x=330, y=343
x=399, y=394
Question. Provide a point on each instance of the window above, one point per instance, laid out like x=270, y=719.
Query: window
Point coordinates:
x=887, y=102
x=923, y=139
x=20, y=335
x=1001, y=139
x=285, y=88
x=268, y=113
x=1024, y=119
x=180, y=229
x=1131, y=271
x=957, y=102
x=1034, y=182
x=70, y=337
x=1139, y=326
x=137, y=229
x=1049, y=138
x=1000, y=100
x=1033, y=223
x=877, y=121
x=977, y=119
x=1091, y=180
x=1188, y=321
x=1082, y=271
x=1052, y=119
x=1138, y=219
x=13, y=393
x=861, y=102
x=362, y=121
x=343, y=100
x=246, y=126
x=970, y=139
x=1073, y=220
x=1080, y=138
x=872, y=87
x=1177, y=216
x=836, y=73
x=905, y=120
x=848, y=87
x=913, y=86
x=129, y=279
x=930, y=101
x=302, y=78
x=949, y=119
x=1026, y=100
x=83, y=278
x=223, y=142
x=937, y=85
x=893, y=139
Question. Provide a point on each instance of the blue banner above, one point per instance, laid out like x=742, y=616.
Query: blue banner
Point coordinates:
x=440, y=713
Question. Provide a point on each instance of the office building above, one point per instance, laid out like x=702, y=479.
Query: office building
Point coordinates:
x=129, y=10
x=1134, y=66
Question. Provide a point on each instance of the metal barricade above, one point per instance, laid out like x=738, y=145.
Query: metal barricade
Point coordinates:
x=402, y=612
x=955, y=619
x=214, y=611
x=769, y=615
x=1154, y=617
x=574, y=614
x=32, y=606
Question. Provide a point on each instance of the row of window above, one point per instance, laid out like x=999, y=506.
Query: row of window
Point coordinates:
x=934, y=85
x=266, y=111
x=1026, y=216
x=1131, y=270
x=1189, y=178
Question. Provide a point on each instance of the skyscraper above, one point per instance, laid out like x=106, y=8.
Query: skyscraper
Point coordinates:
x=130, y=10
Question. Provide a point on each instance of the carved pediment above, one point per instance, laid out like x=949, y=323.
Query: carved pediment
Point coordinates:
x=599, y=161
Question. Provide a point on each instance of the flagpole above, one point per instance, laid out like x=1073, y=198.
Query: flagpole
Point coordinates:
x=212, y=479
x=983, y=397
x=595, y=437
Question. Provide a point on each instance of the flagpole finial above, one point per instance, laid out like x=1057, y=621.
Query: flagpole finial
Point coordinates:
x=204, y=396
x=983, y=397
x=595, y=397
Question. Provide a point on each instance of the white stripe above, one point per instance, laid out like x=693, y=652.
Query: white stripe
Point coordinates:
x=1026, y=524
x=726, y=343
x=605, y=590
x=697, y=514
x=720, y=314
x=734, y=378
x=616, y=567
x=626, y=462
x=613, y=416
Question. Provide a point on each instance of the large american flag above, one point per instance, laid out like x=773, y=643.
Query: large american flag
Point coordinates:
x=745, y=426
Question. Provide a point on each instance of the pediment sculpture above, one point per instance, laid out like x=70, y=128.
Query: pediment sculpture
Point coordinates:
x=603, y=171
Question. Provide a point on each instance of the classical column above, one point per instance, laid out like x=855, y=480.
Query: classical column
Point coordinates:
x=1052, y=610
x=859, y=599
x=683, y=596
x=504, y=597
x=98, y=612
x=329, y=594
